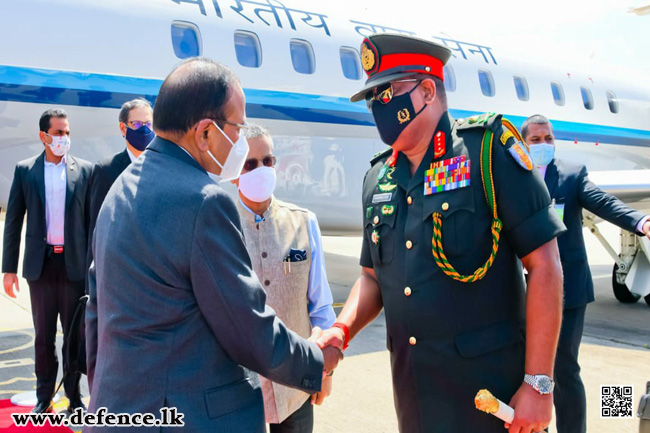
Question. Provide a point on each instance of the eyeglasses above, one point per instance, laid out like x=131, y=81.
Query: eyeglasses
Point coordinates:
x=239, y=126
x=267, y=161
x=59, y=134
x=384, y=93
x=137, y=124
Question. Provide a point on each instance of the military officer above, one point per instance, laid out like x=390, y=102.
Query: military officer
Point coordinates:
x=450, y=212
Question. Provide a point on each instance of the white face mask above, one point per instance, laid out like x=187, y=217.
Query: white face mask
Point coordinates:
x=258, y=185
x=60, y=144
x=236, y=158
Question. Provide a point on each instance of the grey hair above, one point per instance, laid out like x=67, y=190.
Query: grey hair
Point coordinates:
x=130, y=105
x=255, y=131
x=537, y=119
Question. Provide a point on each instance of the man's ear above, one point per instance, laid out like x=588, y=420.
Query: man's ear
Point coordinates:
x=428, y=90
x=123, y=129
x=202, y=133
x=43, y=137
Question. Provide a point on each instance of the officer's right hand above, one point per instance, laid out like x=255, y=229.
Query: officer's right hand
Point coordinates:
x=9, y=281
x=532, y=411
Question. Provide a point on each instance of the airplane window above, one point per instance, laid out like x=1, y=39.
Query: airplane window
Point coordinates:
x=302, y=56
x=587, y=98
x=450, y=78
x=186, y=39
x=612, y=101
x=558, y=93
x=521, y=86
x=350, y=63
x=486, y=81
x=248, y=49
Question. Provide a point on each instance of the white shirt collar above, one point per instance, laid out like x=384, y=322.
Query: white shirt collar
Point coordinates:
x=132, y=156
x=51, y=164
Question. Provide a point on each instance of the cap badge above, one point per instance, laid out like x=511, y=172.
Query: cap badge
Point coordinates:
x=403, y=116
x=367, y=58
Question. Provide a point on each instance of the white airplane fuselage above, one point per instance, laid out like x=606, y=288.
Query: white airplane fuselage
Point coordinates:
x=90, y=57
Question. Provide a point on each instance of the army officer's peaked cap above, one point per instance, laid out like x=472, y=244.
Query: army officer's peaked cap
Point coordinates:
x=388, y=57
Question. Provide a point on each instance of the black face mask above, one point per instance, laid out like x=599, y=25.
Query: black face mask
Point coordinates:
x=392, y=118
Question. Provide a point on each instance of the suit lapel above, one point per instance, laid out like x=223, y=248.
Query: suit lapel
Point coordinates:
x=551, y=178
x=39, y=173
x=72, y=173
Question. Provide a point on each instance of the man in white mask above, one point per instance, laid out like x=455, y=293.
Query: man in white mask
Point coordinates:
x=175, y=306
x=51, y=189
x=285, y=246
x=571, y=191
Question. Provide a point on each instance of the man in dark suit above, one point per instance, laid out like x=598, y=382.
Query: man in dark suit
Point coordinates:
x=571, y=191
x=51, y=189
x=136, y=117
x=176, y=316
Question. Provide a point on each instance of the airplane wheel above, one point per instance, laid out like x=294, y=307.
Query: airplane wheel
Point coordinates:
x=621, y=292
x=647, y=300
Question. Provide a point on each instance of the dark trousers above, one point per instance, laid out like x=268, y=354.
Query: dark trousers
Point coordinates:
x=569, y=394
x=53, y=295
x=301, y=421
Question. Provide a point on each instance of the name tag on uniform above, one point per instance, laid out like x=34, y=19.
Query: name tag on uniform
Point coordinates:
x=446, y=175
x=382, y=198
x=559, y=208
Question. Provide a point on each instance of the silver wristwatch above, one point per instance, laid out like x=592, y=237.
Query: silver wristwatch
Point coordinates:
x=540, y=383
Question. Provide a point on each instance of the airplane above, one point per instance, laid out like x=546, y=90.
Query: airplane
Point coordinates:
x=298, y=65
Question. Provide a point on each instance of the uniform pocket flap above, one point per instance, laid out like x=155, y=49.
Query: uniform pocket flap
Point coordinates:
x=379, y=214
x=448, y=202
x=230, y=398
x=493, y=337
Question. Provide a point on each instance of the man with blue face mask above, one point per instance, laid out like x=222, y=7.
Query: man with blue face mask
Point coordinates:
x=285, y=247
x=136, y=117
x=174, y=305
x=571, y=191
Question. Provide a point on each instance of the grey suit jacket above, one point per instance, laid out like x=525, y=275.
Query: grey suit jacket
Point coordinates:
x=176, y=316
x=27, y=195
x=569, y=185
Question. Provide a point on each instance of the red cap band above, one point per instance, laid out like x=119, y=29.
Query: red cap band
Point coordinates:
x=433, y=64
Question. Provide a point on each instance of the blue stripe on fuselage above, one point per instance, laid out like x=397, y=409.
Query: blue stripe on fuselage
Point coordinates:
x=44, y=86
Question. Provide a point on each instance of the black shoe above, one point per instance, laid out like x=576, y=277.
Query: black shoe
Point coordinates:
x=76, y=403
x=42, y=407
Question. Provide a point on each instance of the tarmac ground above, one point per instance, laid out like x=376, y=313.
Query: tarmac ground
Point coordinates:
x=615, y=349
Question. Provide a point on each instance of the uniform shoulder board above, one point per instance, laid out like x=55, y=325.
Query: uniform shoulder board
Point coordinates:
x=485, y=120
x=381, y=155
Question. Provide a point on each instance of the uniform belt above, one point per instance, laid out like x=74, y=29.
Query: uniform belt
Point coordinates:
x=54, y=249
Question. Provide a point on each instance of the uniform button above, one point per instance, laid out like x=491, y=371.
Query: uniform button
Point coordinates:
x=376, y=220
x=407, y=291
x=267, y=282
x=264, y=255
x=409, y=200
x=413, y=341
x=445, y=206
x=409, y=245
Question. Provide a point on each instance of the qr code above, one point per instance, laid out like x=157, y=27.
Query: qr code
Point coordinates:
x=616, y=401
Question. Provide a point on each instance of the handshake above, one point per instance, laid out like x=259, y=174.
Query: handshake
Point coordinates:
x=331, y=342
